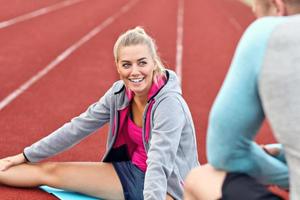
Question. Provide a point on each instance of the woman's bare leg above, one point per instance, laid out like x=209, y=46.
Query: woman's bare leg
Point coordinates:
x=204, y=183
x=91, y=178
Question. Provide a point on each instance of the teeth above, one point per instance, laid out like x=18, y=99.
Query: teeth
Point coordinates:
x=137, y=80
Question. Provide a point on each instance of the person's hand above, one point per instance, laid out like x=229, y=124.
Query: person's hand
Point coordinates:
x=8, y=162
x=275, y=150
x=271, y=149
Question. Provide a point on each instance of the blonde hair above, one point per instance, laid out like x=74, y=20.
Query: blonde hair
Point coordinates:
x=138, y=36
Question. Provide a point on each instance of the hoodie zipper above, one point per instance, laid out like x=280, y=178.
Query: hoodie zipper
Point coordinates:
x=146, y=143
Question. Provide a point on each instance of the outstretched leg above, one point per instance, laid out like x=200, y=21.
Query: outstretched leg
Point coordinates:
x=92, y=178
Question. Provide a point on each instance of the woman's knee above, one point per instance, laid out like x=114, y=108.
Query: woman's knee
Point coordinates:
x=49, y=172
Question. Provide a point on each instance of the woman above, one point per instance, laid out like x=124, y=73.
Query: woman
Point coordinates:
x=151, y=133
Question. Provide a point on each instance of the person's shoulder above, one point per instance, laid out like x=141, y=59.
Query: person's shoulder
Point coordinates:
x=264, y=23
x=290, y=27
x=117, y=86
x=258, y=33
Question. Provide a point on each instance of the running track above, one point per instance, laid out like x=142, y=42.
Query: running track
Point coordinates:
x=53, y=66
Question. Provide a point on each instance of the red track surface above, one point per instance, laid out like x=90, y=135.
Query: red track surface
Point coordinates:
x=211, y=31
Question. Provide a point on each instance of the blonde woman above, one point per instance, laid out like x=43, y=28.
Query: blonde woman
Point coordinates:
x=151, y=144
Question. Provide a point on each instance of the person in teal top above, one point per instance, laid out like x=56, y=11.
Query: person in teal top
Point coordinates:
x=254, y=89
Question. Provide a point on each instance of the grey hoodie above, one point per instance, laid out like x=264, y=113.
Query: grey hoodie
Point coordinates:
x=171, y=147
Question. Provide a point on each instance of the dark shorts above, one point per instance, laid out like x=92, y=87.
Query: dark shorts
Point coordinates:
x=132, y=179
x=239, y=186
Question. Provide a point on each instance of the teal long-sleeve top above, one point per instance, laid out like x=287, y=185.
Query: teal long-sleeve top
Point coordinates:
x=237, y=112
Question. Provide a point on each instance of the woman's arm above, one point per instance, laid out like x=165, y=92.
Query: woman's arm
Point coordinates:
x=72, y=132
x=168, y=124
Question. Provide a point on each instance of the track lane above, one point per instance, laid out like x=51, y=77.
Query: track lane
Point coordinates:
x=61, y=57
x=28, y=47
x=37, y=13
x=211, y=33
x=13, y=8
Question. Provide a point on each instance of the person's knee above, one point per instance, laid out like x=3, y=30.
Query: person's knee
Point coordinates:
x=204, y=182
x=196, y=179
x=49, y=172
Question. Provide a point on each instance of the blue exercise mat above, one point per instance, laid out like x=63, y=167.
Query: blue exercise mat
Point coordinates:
x=66, y=195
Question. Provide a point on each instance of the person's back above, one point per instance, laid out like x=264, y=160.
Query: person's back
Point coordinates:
x=280, y=93
x=251, y=91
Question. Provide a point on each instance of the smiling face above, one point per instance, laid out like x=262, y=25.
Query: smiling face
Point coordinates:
x=136, y=68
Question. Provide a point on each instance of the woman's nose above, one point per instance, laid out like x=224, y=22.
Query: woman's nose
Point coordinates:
x=135, y=69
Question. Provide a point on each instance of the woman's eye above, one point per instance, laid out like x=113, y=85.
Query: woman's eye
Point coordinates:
x=143, y=63
x=126, y=65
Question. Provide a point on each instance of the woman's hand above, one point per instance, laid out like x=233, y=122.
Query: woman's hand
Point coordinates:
x=10, y=161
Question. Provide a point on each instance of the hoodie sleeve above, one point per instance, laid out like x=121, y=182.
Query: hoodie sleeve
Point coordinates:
x=72, y=132
x=169, y=120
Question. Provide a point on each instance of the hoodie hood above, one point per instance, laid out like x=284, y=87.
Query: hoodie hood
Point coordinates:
x=172, y=85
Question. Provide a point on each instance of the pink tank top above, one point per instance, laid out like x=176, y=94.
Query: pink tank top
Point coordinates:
x=139, y=155
x=131, y=134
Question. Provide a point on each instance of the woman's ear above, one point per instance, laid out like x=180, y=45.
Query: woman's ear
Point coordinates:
x=281, y=9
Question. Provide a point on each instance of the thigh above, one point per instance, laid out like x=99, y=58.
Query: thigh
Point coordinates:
x=92, y=178
x=238, y=186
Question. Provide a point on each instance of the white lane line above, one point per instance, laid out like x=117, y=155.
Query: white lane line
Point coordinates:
x=7, y=100
x=37, y=13
x=179, y=40
x=235, y=23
